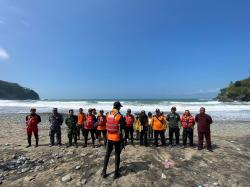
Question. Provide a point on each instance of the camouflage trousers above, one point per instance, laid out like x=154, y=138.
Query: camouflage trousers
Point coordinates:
x=55, y=132
x=72, y=134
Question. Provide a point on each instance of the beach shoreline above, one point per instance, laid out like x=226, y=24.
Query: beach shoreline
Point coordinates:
x=228, y=165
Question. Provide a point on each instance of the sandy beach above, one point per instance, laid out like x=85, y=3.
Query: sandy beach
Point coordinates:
x=228, y=165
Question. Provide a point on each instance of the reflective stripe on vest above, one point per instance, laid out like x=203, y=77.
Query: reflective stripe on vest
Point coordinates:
x=90, y=122
x=101, y=121
x=129, y=121
x=187, y=123
x=112, y=126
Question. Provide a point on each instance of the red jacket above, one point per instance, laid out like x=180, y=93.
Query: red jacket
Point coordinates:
x=187, y=121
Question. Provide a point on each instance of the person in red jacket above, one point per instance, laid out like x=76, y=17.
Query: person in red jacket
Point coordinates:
x=187, y=123
x=129, y=119
x=32, y=122
x=203, y=126
x=89, y=127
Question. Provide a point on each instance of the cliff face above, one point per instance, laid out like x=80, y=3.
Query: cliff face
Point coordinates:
x=14, y=91
x=238, y=91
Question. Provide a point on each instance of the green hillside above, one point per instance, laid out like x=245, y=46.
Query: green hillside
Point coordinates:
x=237, y=91
x=14, y=91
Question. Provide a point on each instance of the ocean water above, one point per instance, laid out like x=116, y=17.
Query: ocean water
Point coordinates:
x=218, y=110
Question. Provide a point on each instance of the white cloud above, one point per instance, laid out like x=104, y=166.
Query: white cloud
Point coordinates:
x=3, y=54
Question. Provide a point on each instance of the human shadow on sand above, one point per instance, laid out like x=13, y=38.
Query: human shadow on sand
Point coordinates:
x=134, y=167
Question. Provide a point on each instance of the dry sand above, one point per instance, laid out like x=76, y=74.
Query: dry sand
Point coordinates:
x=228, y=165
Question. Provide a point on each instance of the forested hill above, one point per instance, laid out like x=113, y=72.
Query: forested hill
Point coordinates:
x=237, y=91
x=14, y=91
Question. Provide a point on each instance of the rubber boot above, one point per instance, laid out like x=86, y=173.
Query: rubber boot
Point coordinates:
x=70, y=143
x=93, y=142
x=104, y=171
x=29, y=141
x=37, y=140
x=117, y=165
x=52, y=141
x=75, y=142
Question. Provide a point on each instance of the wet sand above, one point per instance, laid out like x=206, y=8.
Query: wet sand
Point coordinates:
x=228, y=165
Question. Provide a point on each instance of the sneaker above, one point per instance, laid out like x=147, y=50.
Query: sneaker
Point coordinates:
x=28, y=146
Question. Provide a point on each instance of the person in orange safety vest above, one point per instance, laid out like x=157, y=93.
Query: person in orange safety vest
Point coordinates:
x=159, y=127
x=187, y=123
x=115, y=124
x=101, y=127
x=89, y=127
x=130, y=119
x=81, y=120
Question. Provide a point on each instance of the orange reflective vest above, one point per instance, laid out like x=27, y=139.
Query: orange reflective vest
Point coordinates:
x=187, y=121
x=159, y=123
x=113, y=126
x=101, y=122
x=129, y=120
x=81, y=119
x=90, y=122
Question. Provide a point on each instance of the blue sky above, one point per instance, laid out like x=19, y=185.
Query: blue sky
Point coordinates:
x=124, y=49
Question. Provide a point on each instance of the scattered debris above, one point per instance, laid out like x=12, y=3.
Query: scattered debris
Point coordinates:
x=169, y=164
x=66, y=178
x=78, y=167
x=216, y=184
x=163, y=176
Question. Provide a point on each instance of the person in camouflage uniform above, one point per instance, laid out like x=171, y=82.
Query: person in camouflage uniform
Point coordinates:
x=71, y=122
x=56, y=121
x=174, y=119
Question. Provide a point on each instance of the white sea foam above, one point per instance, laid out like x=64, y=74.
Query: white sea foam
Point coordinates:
x=223, y=111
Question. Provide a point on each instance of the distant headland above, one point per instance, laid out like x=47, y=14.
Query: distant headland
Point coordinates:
x=13, y=91
x=236, y=91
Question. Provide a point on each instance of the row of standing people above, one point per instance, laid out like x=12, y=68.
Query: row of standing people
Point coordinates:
x=142, y=126
x=116, y=125
x=155, y=126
